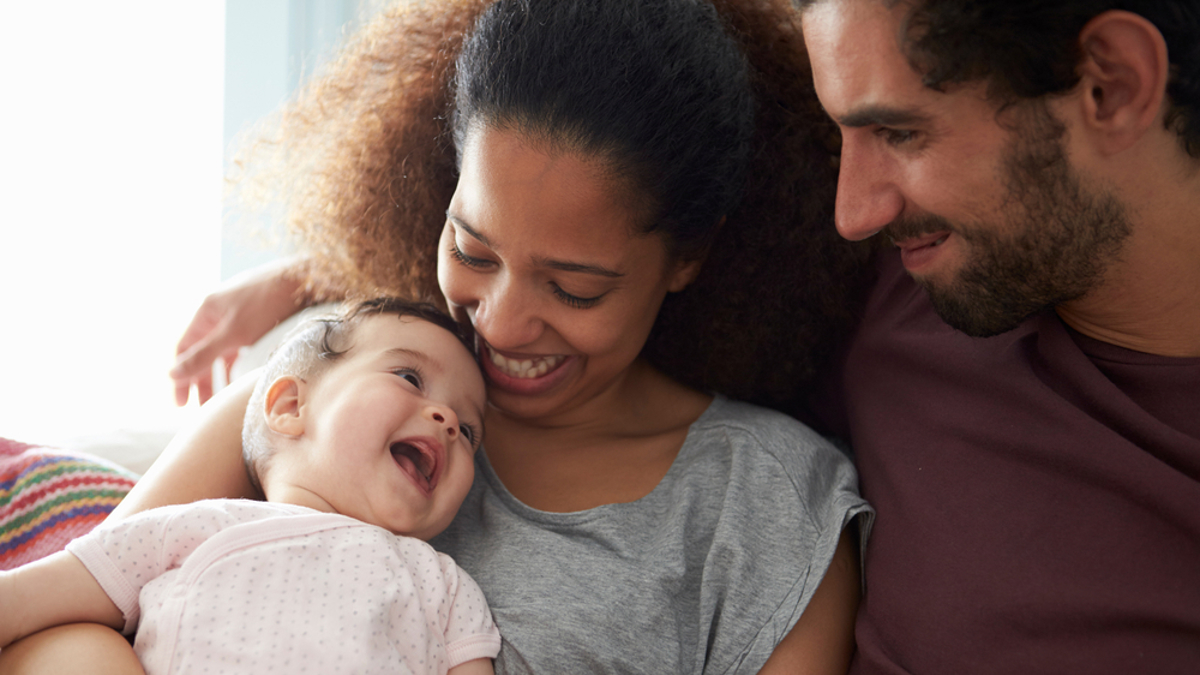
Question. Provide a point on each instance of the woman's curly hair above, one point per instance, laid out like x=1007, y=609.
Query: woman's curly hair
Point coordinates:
x=365, y=158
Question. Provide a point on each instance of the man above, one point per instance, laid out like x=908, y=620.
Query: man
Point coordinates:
x=1024, y=403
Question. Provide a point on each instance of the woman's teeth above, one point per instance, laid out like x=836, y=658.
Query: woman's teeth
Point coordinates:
x=525, y=368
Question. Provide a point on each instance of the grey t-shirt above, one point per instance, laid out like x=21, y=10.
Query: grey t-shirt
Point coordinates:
x=705, y=574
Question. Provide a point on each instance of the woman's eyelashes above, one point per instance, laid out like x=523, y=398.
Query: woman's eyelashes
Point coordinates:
x=574, y=300
x=464, y=259
x=569, y=299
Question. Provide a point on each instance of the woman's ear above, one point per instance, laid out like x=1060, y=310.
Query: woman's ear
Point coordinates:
x=284, y=406
x=684, y=274
x=686, y=270
x=1123, y=76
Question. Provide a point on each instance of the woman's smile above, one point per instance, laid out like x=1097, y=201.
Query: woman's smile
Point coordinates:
x=526, y=368
x=524, y=374
x=542, y=251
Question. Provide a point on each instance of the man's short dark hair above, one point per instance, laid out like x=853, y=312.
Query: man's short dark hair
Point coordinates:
x=1027, y=49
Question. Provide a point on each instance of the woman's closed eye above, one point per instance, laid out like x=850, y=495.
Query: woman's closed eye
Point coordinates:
x=464, y=259
x=574, y=300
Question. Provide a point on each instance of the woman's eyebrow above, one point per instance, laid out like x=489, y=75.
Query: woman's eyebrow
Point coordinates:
x=469, y=230
x=579, y=267
x=563, y=265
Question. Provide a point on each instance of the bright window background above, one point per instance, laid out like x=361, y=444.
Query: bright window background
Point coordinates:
x=110, y=207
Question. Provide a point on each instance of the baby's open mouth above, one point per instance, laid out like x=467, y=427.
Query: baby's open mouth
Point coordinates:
x=418, y=461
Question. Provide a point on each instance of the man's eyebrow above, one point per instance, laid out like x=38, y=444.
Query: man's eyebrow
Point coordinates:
x=562, y=265
x=881, y=116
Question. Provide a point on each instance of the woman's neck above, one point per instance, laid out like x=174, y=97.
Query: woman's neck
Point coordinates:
x=614, y=448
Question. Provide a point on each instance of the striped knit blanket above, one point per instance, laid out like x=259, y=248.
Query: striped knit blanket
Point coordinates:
x=48, y=497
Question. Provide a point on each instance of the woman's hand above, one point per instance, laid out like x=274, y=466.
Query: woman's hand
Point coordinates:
x=243, y=310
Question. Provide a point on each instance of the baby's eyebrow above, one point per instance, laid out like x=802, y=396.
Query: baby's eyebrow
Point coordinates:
x=416, y=355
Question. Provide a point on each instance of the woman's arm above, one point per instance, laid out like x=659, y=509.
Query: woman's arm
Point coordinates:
x=201, y=462
x=822, y=641
x=243, y=310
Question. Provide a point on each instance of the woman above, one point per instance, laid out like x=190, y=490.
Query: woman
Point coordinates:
x=622, y=225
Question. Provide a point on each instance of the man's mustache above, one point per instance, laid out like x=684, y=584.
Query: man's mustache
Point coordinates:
x=916, y=226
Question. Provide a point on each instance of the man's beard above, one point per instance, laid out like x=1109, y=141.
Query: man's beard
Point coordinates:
x=1051, y=243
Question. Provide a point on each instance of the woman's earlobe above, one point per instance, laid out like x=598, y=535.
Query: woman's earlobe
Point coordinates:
x=284, y=406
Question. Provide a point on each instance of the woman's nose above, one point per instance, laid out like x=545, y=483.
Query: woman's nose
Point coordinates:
x=507, y=316
x=867, y=197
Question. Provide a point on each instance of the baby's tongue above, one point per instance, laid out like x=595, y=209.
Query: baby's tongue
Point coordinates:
x=407, y=457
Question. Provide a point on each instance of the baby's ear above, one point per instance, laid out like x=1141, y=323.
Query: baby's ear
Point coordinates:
x=284, y=406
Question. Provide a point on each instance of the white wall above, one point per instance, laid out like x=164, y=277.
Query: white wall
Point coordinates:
x=271, y=47
x=116, y=119
x=110, y=188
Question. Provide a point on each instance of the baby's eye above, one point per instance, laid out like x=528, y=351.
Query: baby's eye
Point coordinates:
x=468, y=433
x=413, y=378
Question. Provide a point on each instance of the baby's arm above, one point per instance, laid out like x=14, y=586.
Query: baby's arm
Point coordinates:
x=53, y=591
x=476, y=667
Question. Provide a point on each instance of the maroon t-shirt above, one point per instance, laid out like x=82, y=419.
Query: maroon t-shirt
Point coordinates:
x=1038, y=496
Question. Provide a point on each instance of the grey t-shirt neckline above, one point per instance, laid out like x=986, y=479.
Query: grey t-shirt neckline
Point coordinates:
x=561, y=518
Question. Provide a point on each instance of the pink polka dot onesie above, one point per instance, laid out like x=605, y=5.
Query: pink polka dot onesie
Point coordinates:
x=238, y=586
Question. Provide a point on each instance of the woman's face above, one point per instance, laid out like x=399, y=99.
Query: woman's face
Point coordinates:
x=546, y=261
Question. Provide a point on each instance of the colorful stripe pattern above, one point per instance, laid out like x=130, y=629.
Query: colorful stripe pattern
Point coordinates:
x=49, y=497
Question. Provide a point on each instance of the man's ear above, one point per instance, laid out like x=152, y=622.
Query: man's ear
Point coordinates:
x=1124, y=77
x=284, y=406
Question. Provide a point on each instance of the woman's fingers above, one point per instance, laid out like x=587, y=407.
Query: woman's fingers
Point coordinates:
x=194, y=365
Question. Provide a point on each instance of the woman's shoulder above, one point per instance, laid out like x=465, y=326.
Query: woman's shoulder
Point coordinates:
x=748, y=424
x=764, y=451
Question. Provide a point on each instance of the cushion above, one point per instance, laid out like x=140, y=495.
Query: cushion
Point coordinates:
x=48, y=497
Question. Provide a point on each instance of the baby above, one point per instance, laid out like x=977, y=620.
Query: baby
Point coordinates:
x=361, y=427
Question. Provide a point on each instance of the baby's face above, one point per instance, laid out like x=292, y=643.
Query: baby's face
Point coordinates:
x=393, y=426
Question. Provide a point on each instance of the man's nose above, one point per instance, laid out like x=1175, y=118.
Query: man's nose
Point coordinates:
x=868, y=198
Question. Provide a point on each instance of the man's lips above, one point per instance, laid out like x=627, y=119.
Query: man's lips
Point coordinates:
x=421, y=458
x=911, y=244
x=919, y=252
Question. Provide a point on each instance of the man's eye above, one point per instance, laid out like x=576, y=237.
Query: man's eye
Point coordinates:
x=897, y=136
